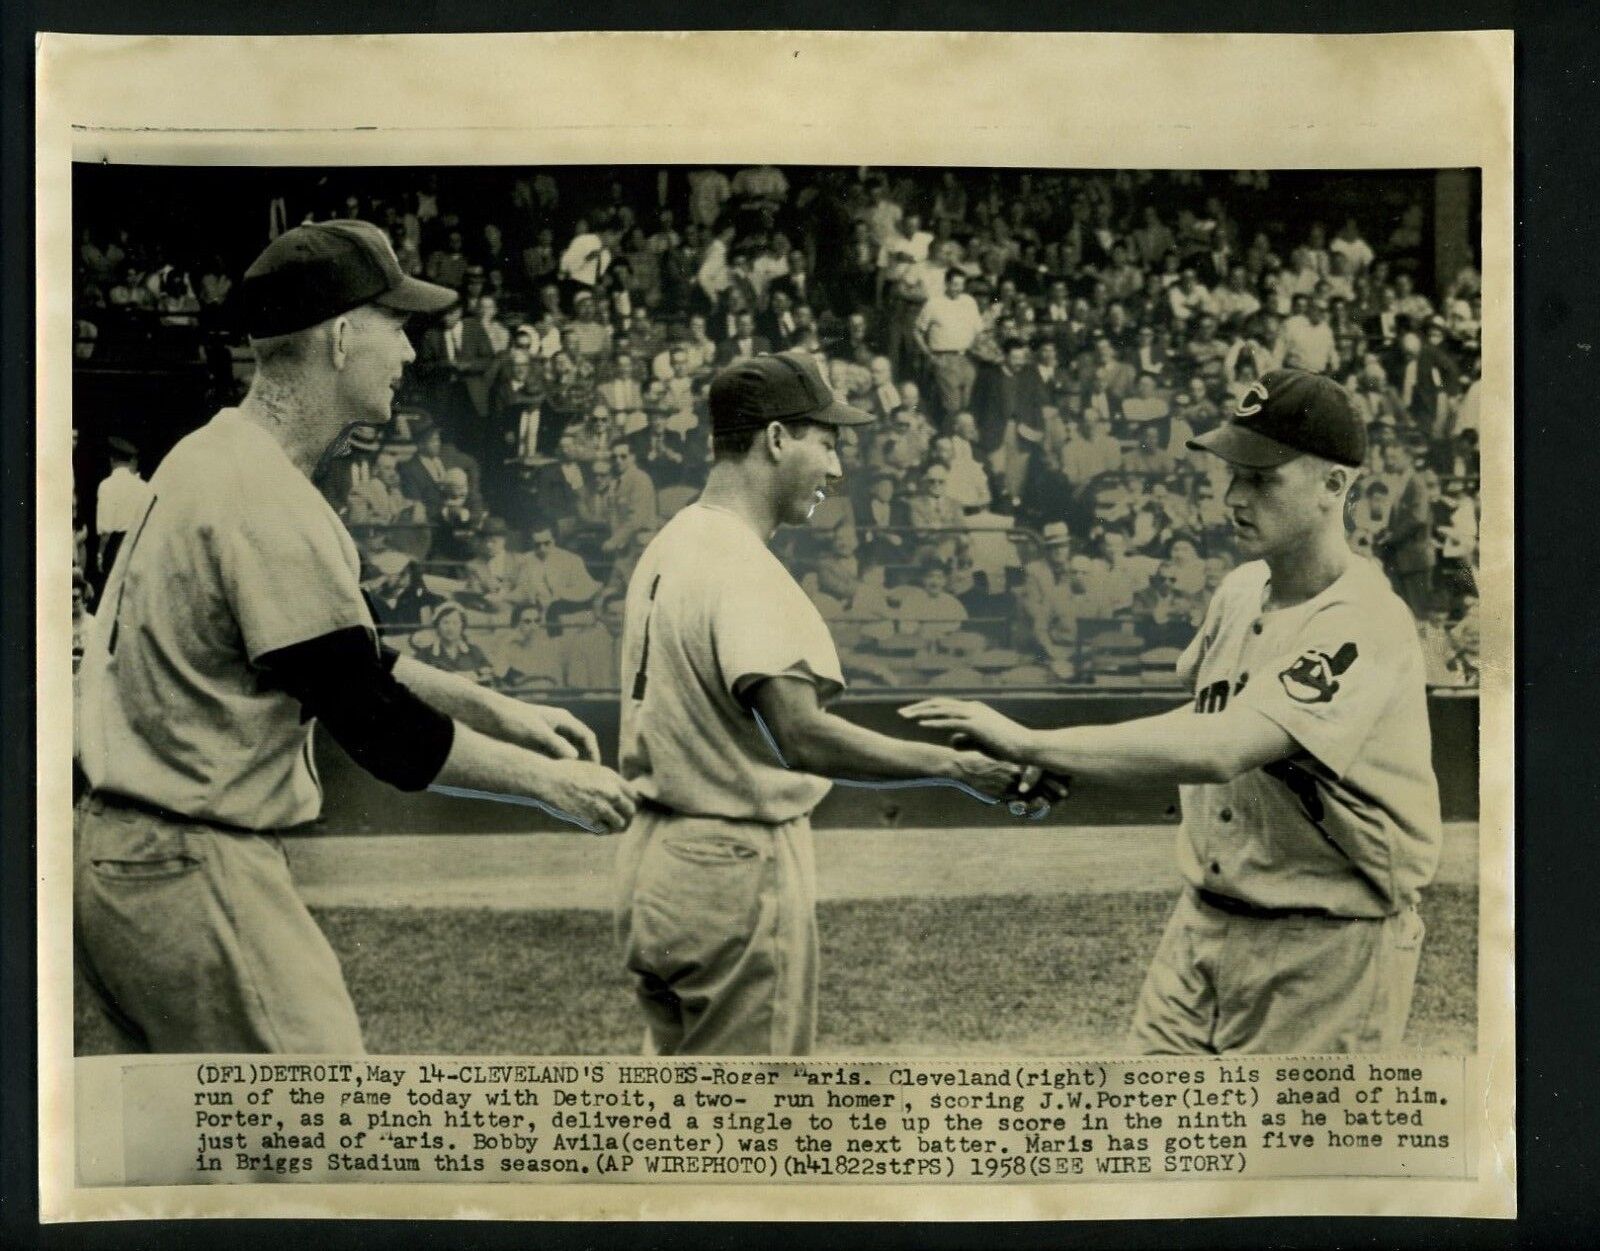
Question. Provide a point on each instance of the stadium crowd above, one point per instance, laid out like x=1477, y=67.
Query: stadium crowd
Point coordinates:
x=1037, y=348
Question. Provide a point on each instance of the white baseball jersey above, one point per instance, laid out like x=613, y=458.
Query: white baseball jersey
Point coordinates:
x=237, y=555
x=1350, y=823
x=711, y=611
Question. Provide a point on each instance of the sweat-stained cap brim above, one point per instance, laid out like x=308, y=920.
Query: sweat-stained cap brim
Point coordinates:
x=1239, y=446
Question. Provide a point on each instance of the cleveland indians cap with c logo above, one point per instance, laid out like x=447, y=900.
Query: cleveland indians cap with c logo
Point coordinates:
x=1289, y=413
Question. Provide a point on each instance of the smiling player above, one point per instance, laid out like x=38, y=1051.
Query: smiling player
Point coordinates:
x=1310, y=809
x=721, y=647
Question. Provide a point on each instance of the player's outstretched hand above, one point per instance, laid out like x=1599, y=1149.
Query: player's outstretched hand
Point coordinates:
x=550, y=731
x=995, y=778
x=591, y=792
x=977, y=723
x=1036, y=792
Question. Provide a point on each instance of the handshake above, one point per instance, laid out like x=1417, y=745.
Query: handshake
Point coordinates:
x=987, y=746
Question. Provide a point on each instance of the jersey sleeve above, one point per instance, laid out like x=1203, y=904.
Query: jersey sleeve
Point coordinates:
x=763, y=626
x=1330, y=692
x=288, y=572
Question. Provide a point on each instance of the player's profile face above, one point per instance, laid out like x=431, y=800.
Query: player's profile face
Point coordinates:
x=377, y=350
x=1274, y=510
x=808, y=465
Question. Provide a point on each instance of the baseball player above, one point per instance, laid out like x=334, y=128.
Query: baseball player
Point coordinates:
x=726, y=671
x=233, y=620
x=1310, y=809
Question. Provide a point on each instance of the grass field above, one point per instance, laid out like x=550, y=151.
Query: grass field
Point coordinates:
x=932, y=943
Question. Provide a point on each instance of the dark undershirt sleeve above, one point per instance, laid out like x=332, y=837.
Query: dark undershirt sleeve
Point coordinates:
x=347, y=683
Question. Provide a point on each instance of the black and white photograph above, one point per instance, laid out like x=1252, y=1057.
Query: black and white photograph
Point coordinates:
x=1090, y=431
x=1006, y=650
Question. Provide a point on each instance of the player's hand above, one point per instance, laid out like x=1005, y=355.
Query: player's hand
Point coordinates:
x=997, y=779
x=548, y=730
x=1036, y=792
x=572, y=733
x=996, y=734
x=591, y=792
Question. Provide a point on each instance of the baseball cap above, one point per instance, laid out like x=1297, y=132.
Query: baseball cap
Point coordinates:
x=782, y=386
x=1289, y=413
x=322, y=269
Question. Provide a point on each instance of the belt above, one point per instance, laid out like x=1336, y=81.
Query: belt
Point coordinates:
x=646, y=804
x=948, y=351
x=1239, y=908
x=109, y=799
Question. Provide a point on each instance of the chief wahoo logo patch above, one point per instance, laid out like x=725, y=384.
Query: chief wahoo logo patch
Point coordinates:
x=1314, y=676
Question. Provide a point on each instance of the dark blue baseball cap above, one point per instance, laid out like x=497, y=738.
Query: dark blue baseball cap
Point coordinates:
x=1289, y=413
x=319, y=270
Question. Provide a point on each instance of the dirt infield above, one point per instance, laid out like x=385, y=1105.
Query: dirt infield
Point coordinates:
x=542, y=871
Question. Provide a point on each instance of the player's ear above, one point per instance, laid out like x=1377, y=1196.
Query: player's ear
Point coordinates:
x=774, y=436
x=339, y=332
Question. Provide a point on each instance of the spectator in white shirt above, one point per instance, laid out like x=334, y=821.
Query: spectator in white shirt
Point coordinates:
x=1188, y=298
x=947, y=326
x=120, y=504
x=1303, y=272
x=967, y=484
x=585, y=258
x=1307, y=341
x=622, y=391
x=1233, y=301
x=1146, y=403
x=1338, y=281
x=551, y=575
x=771, y=263
x=714, y=275
x=1349, y=244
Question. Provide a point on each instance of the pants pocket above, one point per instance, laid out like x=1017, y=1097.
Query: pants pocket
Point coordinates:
x=138, y=848
x=696, y=899
x=144, y=870
x=710, y=850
